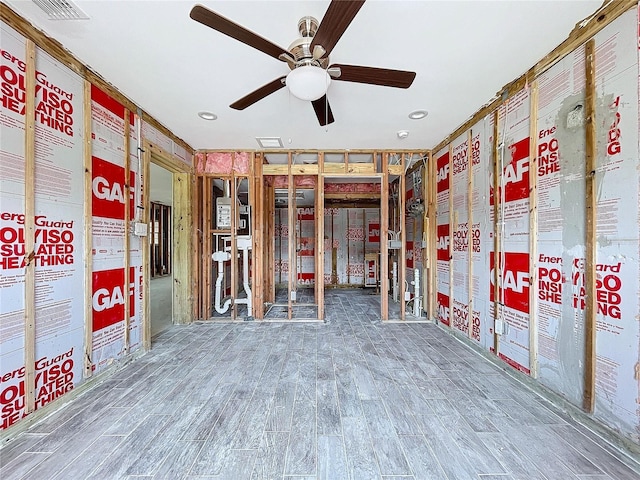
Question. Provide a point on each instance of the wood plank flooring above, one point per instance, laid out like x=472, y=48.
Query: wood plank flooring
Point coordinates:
x=351, y=398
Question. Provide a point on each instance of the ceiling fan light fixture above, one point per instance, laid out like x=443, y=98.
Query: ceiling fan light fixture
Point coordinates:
x=308, y=82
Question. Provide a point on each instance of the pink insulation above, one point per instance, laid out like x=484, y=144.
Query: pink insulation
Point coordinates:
x=199, y=162
x=282, y=181
x=218, y=162
x=241, y=163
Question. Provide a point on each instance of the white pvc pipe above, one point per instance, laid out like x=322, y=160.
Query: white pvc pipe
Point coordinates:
x=245, y=282
x=416, y=292
x=220, y=257
x=394, y=281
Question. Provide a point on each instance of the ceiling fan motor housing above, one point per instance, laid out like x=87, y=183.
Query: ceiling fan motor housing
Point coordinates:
x=308, y=26
x=299, y=48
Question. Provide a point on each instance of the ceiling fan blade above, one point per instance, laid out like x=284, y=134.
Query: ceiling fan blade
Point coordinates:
x=323, y=111
x=337, y=18
x=223, y=25
x=375, y=76
x=258, y=94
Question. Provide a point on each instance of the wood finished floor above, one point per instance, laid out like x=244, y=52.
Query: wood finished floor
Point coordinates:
x=348, y=399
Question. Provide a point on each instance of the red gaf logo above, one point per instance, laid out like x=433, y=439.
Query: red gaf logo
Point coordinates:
x=514, y=284
x=442, y=246
x=443, y=308
x=374, y=233
x=442, y=176
x=108, y=190
x=515, y=176
x=305, y=214
x=409, y=254
x=108, y=297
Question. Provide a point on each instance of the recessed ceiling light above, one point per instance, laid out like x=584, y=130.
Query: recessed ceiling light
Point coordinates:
x=418, y=114
x=402, y=134
x=207, y=115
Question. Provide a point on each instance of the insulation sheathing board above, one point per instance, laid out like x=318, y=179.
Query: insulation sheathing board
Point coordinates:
x=340, y=239
x=330, y=245
x=349, y=243
x=306, y=246
x=159, y=139
x=108, y=210
x=442, y=235
x=282, y=234
x=413, y=228
x=561, y=235
x=618, y=239
x=460, y=236
x=513, y=259
x=480, y=237
x=355, y=251
x=59, y=226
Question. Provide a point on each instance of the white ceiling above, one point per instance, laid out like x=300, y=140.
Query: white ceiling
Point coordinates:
x=463, y=53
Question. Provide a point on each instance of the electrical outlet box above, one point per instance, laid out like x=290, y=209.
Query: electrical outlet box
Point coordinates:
x=499, y=327
x=407, y=296
x=395, y=244
x=140, y=229
x=293, y=295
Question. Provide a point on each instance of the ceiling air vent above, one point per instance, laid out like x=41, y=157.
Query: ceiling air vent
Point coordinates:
x=270, y=142
x=61, y=10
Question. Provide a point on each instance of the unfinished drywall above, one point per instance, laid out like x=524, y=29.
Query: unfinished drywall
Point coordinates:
x=544, y=210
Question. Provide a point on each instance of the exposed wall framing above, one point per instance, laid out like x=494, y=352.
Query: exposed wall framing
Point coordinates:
x=29, y=229
x=127, y=230
x=266, y=174
x=470, y=230
x=590, y=233
x=496, y=232
x=533, y=229
x=453, y=225
x=584, y=295
x=181, y=245
x=88, y=234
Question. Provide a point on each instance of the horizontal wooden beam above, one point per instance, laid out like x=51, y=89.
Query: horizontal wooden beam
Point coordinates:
x=351, y=196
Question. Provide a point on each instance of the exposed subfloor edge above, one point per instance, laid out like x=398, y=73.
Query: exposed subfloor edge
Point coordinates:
x=62, y=402
x=623, y=449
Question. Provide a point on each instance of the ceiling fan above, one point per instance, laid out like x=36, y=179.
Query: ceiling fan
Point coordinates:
x=307, y=57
